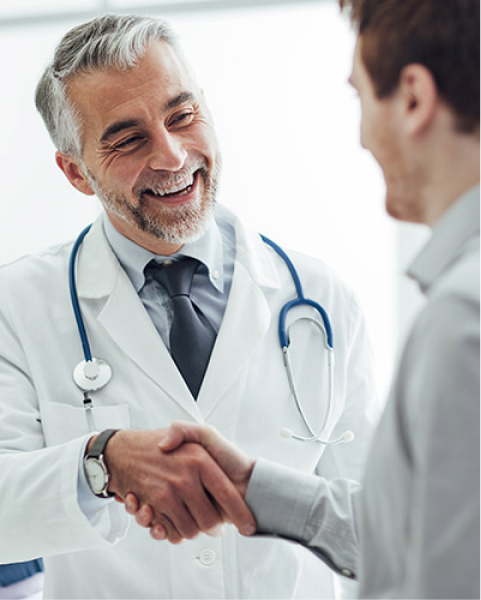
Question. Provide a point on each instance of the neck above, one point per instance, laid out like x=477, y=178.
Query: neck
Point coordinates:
x=146, y=240
x=454, y=170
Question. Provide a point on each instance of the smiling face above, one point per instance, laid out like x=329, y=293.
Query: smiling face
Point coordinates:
x=149, y=149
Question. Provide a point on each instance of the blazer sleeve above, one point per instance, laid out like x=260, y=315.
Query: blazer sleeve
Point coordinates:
x=39, y=510
x=319, y=514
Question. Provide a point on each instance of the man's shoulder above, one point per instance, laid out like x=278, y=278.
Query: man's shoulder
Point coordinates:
x=461, y=282
x=41, y=266
x=450, y=317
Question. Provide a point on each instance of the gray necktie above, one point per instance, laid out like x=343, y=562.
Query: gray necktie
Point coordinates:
x=191, y=335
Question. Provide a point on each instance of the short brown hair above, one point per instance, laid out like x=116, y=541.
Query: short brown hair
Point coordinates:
x=442, y=35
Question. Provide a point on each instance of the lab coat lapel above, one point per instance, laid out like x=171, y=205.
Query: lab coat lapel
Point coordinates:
x=125, y=319
x=246, y=319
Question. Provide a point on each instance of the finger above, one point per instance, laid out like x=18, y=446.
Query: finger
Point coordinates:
x=204, y=510
x=158, y=532
x=164, y=526
x=235, y=463
x=144, y=516
x=181, y=518
x=132, y=504
x=229, y=499
x=178, y=433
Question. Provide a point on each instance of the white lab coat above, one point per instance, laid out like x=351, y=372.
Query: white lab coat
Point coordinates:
x=245, y=395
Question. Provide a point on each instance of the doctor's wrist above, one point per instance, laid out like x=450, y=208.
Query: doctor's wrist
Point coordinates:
x=113, y=451
x=95, y=465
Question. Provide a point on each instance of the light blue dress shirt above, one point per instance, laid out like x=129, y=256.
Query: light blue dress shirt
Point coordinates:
x=211, y=284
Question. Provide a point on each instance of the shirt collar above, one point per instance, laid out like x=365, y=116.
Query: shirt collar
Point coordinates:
x=134, y=258
x=450, y=235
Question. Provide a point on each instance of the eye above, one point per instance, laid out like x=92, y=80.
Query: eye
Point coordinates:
x=131, y=141
x=182, y=119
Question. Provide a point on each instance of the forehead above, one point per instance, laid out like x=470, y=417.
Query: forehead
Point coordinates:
x=102, y=95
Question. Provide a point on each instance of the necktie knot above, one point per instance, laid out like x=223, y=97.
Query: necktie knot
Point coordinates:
x=176, y=277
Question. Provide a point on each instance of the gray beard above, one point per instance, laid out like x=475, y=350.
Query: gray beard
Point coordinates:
x=179, y=225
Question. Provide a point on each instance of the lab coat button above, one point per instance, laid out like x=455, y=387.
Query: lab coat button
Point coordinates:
x=215, y=274
x=346, y=572
x=207, y=557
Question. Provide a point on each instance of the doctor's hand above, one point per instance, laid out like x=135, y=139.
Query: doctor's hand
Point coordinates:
x=178, y=487
x=235, y=463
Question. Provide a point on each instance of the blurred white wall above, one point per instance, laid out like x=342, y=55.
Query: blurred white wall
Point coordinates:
x=275, y=79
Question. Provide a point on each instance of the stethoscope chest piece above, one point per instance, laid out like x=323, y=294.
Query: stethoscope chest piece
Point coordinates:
x=92, y=375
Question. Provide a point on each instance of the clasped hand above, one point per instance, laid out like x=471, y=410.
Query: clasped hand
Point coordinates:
x=181, y=481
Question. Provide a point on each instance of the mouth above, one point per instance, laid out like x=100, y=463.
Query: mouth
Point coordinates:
x=177, y=192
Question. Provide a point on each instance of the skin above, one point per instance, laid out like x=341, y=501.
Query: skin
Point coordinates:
x=176, y=488
x=143, y=130
x=147, y=130
x=412, y=134
x=237, y=465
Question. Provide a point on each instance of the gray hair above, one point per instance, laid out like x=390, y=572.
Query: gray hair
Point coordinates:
x=107, y=42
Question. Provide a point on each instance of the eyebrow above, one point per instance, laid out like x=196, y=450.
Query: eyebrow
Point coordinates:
x=119, y=126
x=180, y=99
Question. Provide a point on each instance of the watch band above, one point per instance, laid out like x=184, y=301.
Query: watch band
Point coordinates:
x=96, y=454
x=101, y=441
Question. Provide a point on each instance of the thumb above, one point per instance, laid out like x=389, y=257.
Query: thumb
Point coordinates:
x=175, y=437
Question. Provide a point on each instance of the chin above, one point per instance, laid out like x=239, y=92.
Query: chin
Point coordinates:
x=403, y=208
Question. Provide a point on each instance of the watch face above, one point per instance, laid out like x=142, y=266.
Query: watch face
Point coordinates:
x=96, y=474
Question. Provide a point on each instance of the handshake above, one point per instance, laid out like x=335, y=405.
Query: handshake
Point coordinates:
x=181, y=481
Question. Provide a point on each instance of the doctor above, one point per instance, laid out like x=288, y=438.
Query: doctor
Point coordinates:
x=130, y=124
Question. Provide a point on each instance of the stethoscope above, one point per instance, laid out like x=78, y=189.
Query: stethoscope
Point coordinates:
x=92, y=374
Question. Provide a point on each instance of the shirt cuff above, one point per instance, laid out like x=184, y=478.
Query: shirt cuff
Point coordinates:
x=303, y=508
x=280, y=499
x=107, y=517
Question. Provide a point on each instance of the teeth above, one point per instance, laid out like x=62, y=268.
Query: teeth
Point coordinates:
x=183, y=186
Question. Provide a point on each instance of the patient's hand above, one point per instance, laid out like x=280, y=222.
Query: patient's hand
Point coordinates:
x=232, y=461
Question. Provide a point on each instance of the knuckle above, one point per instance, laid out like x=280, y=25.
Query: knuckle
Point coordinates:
x=185, y=487
x=164, y=496
x=197, y=454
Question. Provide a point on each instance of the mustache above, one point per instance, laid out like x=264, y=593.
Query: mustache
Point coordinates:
x=162, y=182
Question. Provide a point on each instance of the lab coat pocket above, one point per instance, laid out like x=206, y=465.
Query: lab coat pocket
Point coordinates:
x=62, y=422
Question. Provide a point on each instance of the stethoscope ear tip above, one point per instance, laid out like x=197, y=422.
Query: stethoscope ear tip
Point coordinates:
x=286, y=433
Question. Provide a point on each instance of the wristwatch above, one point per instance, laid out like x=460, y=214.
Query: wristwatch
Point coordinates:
x=95, y=468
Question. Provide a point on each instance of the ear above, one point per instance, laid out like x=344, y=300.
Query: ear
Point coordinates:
x=420, y=97
x=74, y=173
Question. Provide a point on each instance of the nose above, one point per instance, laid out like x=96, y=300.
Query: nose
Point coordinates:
x=167, y=151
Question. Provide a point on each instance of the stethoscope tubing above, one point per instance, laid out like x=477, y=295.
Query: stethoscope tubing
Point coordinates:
x=74, y=296
x=300, y=300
